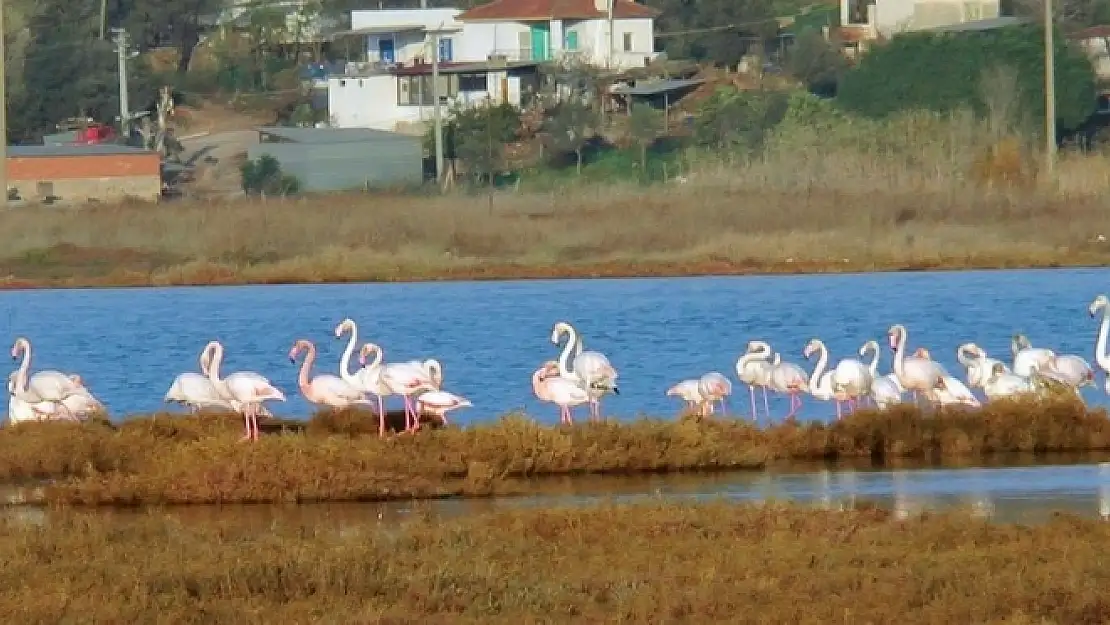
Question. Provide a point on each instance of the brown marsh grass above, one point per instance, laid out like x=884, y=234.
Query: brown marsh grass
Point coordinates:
x=179, y=460
x=802, y=207
x=647, y=563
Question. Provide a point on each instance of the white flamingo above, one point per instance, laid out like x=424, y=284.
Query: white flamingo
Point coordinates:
x=1101, y=304
x=408, y=379
x=916, y=374
x=1005, y=384
x=43, y=386
x=369, y=378
x=246, y=388
x=689, y=391
x=550, y=386
x=754, y=369
x=439, y=403
x=195, y=390
x=324, y=389
x=820, y=383
x=1027, y=358
x=714, y=386
x=978, y=365
x=949, y=390
x=886, y=390
x=592, y=369
x=788, y=378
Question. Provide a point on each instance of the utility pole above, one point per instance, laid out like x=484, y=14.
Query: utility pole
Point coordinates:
x=3, y=112
x=124, y=110
x=609, y=56
x=1049, y=92
x=437, y=121
x=103, y=17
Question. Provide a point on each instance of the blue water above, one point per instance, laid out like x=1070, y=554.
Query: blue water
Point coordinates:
x=129, y=344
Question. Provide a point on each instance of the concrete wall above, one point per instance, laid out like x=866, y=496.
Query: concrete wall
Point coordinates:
x=479, y=40
x=890, y=17
x=79, y=179
x=387, y=162
x=372, y=101
x=407, y=45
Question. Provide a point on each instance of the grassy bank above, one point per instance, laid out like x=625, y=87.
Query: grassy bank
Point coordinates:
x=613, y=564
x=168, y=460
x=823, y=192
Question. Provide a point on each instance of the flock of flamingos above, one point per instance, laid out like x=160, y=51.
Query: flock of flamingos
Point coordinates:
x=580, y=377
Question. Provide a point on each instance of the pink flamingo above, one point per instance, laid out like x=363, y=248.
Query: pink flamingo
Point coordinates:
x=689, y=391
x=412, y=378
x=714, y=387
x=549, y=386
x=439, y=403
x=324, y=389
x=789, y=378
x=754, y=369
x=246, y=389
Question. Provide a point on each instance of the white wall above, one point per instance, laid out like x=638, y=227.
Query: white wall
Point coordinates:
x=479, y=40
x=428, y=18
x=1099, y=53
x=371, y=102
x=482, y=39
x=407, y=44
x=593, y=41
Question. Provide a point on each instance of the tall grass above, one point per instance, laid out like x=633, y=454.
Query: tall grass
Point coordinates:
x=825, y=192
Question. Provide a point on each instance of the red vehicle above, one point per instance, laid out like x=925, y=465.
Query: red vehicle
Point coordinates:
x=93, y=134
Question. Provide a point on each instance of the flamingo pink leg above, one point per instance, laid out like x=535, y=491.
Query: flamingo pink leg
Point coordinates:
x=246, y=424
x=381, y=416
x=766, y=403
x=751, y=394
x=839, y=415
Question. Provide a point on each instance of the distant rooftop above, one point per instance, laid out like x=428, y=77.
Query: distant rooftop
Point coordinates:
x=327, y=135
x=978, y=25
x=73, y=150
x=653, y=87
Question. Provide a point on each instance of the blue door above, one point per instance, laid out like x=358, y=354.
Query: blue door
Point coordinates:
x=385, y=50
x=445, y=52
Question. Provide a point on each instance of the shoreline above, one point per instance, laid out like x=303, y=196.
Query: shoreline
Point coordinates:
x=339, y=457
x=216, y=274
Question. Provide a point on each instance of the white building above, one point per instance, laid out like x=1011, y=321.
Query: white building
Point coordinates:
x=864, y=20
x=545, y=30
x=488, y=53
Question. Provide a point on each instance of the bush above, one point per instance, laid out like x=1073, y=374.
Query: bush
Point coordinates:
x=943, y=72
x=263, y=176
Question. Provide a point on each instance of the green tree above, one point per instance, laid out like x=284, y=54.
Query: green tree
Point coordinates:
x=717, y=31
x=645, y=125
x=263, y=176
x=733, y=119
x=571, y=126
x=476, y=135
x=815, y=61
x=903, y=75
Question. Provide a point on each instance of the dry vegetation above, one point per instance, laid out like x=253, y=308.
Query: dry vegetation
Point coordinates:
x=168, y=460
x=915, y=193
x=709, y=563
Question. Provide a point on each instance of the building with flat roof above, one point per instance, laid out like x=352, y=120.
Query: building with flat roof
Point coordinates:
x=76, y=174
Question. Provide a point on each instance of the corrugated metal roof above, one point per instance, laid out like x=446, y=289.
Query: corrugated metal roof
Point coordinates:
x=330, y=135
x=987, y=24
x=73, y=150
x=657, y=86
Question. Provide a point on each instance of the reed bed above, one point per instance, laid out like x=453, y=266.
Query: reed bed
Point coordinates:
x=647, y=563
x=847, y=204
x=178, y=460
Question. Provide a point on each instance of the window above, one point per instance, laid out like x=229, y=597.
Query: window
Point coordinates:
x=524, y=43
x=628, y=42
x=417, y=90
x=473, y=82
x=445, y=50
x=572, y=40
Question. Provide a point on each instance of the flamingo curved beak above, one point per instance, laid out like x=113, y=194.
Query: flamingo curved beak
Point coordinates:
x=616, y=390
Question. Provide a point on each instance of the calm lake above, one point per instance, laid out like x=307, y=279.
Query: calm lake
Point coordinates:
x=129, y=344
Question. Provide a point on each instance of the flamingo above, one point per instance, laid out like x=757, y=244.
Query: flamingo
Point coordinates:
x=852, y=378
x=949, y=390
x=47, y=385
x=195, y=390
x=1002, y=383
x=1102, y=357
x=714, y=386
x=246, y=388
x=789, y=378
x=689, y=391
x=412, y=378
x=592, y=368
x=821, y=382
x=369, y=377
x=886, y=390
x=1027, y=357
x=550, y=386
x=754, y=369
x=76, y=406
x=439, y=403
x=324, y=389
x=979, y=366
x=916, y=374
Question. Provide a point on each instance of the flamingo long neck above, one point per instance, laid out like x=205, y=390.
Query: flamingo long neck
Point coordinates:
x=964, y=359
x=435, y=371
x=309, y=360
x=564, y=358
x=538, y=385
x=24, y=367
x=898, y=366
x=1101, y=356
x=377, y=362
x=874, y=366
x=345, y=360
x=214, y=365
x=822, y=362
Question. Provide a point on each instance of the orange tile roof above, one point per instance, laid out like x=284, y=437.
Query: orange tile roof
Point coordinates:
x=553, y=9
